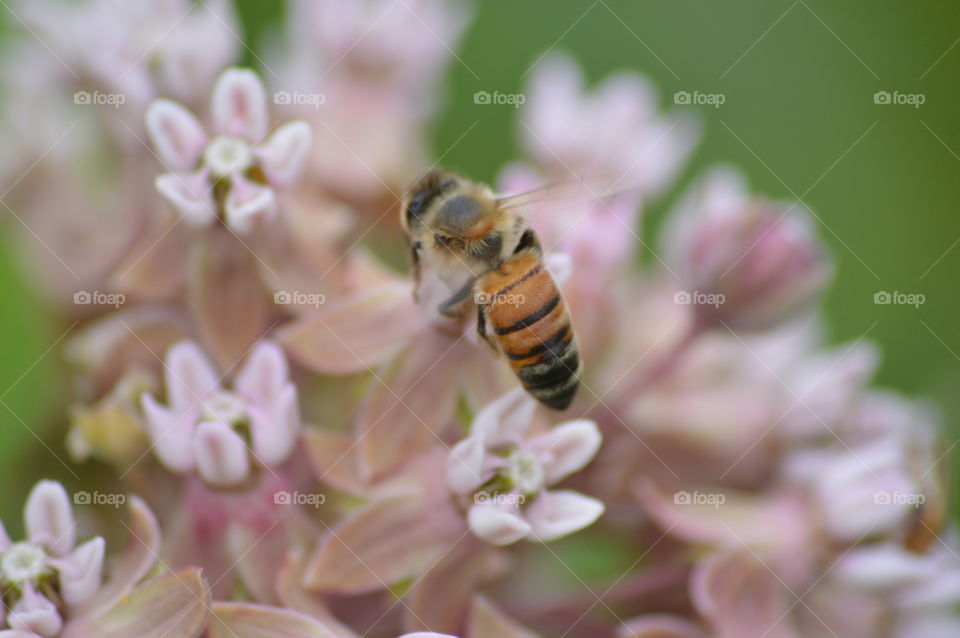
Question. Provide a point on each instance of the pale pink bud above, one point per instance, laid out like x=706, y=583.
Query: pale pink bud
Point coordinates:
x=49, y=519
x=556, y=513
x=497, y=525
x=566, y=449
x=171, y=434
x=221, y=455
x=284, y=154
x=80, y=572
x=246, y=203
x=239, y=105
x=34, y=613
x=761, y=264
x=176, y=134
x=190, y=194
x=465, y=465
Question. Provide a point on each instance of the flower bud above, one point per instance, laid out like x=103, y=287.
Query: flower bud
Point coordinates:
x=753, y=265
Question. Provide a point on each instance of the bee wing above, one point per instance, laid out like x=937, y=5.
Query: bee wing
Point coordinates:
x=576, y=191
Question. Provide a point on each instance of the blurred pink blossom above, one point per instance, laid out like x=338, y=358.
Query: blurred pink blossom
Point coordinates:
x=238, y=171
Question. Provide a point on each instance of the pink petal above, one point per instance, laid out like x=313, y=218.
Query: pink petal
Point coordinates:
x=660, y=626
x=174, y=605
x=554, y=514
x=49, y=519
x=246, y=203
x=497, y=525
x=176, y=135
x=227, y=301
x=741, y=597
x=5, y=542
x=263, y=375
x=80, y=572
x=442, y=597
x=426, y=634
x=505, y=419
x=16, y=633
x=410, y=403
x=189, y=194
x=333, y=461
x=487, y=621
x=35, y=613
x=382, y=543
x=465, y=465
x=283, y=155
x=170, y=433
x=274, y=428
x=566, y=448
x=189, y=376
x=354, y=333
x=141, y=553
x=247, y=620
x=221, y=454
x=239, y=105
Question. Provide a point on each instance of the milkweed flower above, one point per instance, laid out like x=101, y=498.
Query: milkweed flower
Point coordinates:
x=53, y=586
x=508, y=474
x=221, y=434
x=754, y=263
x=233, y=175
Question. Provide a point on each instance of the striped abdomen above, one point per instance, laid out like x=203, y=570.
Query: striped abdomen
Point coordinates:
x=526, y=314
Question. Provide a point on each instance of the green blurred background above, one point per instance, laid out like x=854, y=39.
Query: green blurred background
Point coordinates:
x=799, y=119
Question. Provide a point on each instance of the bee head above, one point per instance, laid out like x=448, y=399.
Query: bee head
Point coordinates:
x=462, y=216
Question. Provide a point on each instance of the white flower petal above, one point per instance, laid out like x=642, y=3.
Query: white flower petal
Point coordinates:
x=176, y=135
x=465, y=465
x=170, y=433
x=566, y=448
x=189, y=376
x=505, y=419
x=80, y=573
x=263, y=375
x=49, y=519
x=274, y=427
x=284, y=154
x=189, y=194
x=221, y=454
x=246, y=202
x=36, y=614
x=239, y=105
x=556, y=514
x=497, y=525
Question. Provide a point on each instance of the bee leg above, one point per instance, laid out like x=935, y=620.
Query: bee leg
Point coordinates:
x=482, y=329
x=415, y=264
x=451, y=307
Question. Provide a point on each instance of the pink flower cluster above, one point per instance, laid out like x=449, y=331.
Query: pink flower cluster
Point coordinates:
x=330, y=457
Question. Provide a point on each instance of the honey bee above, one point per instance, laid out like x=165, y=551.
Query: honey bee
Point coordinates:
x=480, y=247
